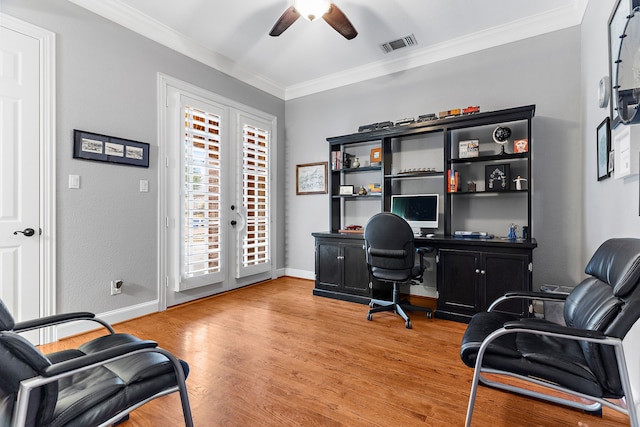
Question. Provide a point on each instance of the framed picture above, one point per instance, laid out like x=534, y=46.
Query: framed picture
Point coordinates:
x=311, y=178
x=603, y=136
x=346, y=190
x=496, y=177
x=103, y=148
x=375, y=155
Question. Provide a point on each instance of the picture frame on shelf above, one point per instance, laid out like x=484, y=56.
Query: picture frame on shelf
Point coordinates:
x=347, y=190
x=109, y=149
x=375, y=155
x=311, y=178
x=497, y=177
x=603, y=139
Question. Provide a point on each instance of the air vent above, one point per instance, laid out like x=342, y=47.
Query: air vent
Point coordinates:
x=405, y=41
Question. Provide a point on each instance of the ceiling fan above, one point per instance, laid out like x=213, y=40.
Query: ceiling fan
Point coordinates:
x=312, y=9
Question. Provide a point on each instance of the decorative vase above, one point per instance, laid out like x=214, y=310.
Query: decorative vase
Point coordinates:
x=356, y=163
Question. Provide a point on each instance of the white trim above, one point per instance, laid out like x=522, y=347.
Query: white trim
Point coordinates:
x=301, y=274
x=47, y=40
x=531, y=26
x=111, y=317
x=128, y=17
x=131, y=18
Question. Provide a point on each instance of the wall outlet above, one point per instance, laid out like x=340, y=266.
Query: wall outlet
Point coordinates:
x=116, y=287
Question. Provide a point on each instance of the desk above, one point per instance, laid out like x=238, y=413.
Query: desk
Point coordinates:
x=471, y=272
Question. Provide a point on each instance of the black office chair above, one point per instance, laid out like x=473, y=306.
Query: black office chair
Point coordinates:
x=97, y=384
x=585, y=358
x=391, y=257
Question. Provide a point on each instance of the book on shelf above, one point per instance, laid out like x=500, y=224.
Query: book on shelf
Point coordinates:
x=336, y=160
x=468, y=149
x=453, y=181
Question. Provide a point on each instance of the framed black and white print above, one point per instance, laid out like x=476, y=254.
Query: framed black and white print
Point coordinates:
x=103, y=148
x=311, y=178
x=603, y=136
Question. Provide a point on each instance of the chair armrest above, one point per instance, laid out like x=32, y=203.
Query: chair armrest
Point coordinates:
x=99, y=357
x=542, y=296
x=56, y=319
x=536, y=326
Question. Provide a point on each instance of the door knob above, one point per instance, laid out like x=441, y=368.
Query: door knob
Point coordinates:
x=234, y=222
x=27, y=232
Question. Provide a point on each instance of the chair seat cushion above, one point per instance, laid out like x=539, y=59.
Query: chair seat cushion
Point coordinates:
x=559, y=361
x=113, y=387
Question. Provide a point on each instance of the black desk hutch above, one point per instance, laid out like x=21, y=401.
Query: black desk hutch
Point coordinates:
x=418, y=158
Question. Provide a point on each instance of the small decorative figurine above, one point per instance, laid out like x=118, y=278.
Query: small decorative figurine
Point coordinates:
x=471, y=186
x=356, y=163
x=363, y=191
x=512, y=232
x=518, y=182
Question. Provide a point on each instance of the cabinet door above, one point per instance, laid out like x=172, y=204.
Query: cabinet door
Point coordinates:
x=328, y=265
x=458, y=281
x=504, y=273
x=356, y=273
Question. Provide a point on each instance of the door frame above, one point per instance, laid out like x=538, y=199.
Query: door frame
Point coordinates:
x=47, y=149
x=165, y=81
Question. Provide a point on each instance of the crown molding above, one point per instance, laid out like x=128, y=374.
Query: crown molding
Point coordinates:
x=128, y=17
x=553, y=20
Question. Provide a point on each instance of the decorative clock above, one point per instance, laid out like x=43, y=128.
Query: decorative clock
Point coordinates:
x=624, y=61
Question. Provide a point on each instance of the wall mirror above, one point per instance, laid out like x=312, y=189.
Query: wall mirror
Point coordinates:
x=624, y=61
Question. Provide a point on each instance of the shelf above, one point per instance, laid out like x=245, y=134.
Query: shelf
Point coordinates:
x=507, y=156
x=488, y=193
x=414, y=175
x=362, y=169
x=357, y=196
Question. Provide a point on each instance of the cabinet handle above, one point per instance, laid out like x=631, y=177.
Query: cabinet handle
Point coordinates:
x=340, y=257
x=482, y=272
x=477, y=271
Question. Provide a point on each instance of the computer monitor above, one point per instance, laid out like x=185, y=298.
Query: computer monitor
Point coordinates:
x=419, y=210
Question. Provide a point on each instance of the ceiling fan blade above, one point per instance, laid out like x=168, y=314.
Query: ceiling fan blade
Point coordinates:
x=340, y=22
x=288, y=17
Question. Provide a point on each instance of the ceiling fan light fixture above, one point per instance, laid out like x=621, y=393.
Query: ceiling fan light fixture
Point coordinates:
x=312, y=9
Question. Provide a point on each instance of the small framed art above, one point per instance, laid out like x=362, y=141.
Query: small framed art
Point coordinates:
x=603, y=136
x=103, y=148
x=497, y=177
x=347, y=190
x=311, y=178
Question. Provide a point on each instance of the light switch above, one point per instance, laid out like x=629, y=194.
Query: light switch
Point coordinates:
x=144, y=186
x=74, y=181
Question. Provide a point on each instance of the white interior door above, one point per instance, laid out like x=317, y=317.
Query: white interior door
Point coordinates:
x=19, y=174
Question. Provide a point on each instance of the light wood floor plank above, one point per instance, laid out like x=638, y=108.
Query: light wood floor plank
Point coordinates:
x=273, y=354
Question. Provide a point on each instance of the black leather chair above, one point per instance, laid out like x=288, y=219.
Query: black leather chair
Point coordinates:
x=97, y=384
x=391, y=257
x=585, y=358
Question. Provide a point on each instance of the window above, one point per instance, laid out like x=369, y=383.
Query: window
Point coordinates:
x=202, y=194
x=255, y=196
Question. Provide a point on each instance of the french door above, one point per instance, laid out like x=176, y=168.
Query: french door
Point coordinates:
x=219, y=194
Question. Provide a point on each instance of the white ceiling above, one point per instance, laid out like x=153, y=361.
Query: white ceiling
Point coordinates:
x=232, y=35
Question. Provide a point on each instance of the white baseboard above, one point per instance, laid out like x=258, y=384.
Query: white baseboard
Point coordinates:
x=302, y=274
x=280, y=272
x=112, y=317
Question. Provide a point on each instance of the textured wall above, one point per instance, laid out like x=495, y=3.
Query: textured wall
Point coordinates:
x=106, y=83
x=543, y=70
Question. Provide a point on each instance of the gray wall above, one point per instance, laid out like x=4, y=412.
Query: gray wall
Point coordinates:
x=611, y=206
x=106, y=83
x=543, y=70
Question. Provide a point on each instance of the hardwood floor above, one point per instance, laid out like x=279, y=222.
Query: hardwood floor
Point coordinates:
x=273, y=354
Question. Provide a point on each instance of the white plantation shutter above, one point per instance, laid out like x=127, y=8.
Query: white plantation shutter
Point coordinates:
x=202, y=193
x=254, y=250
